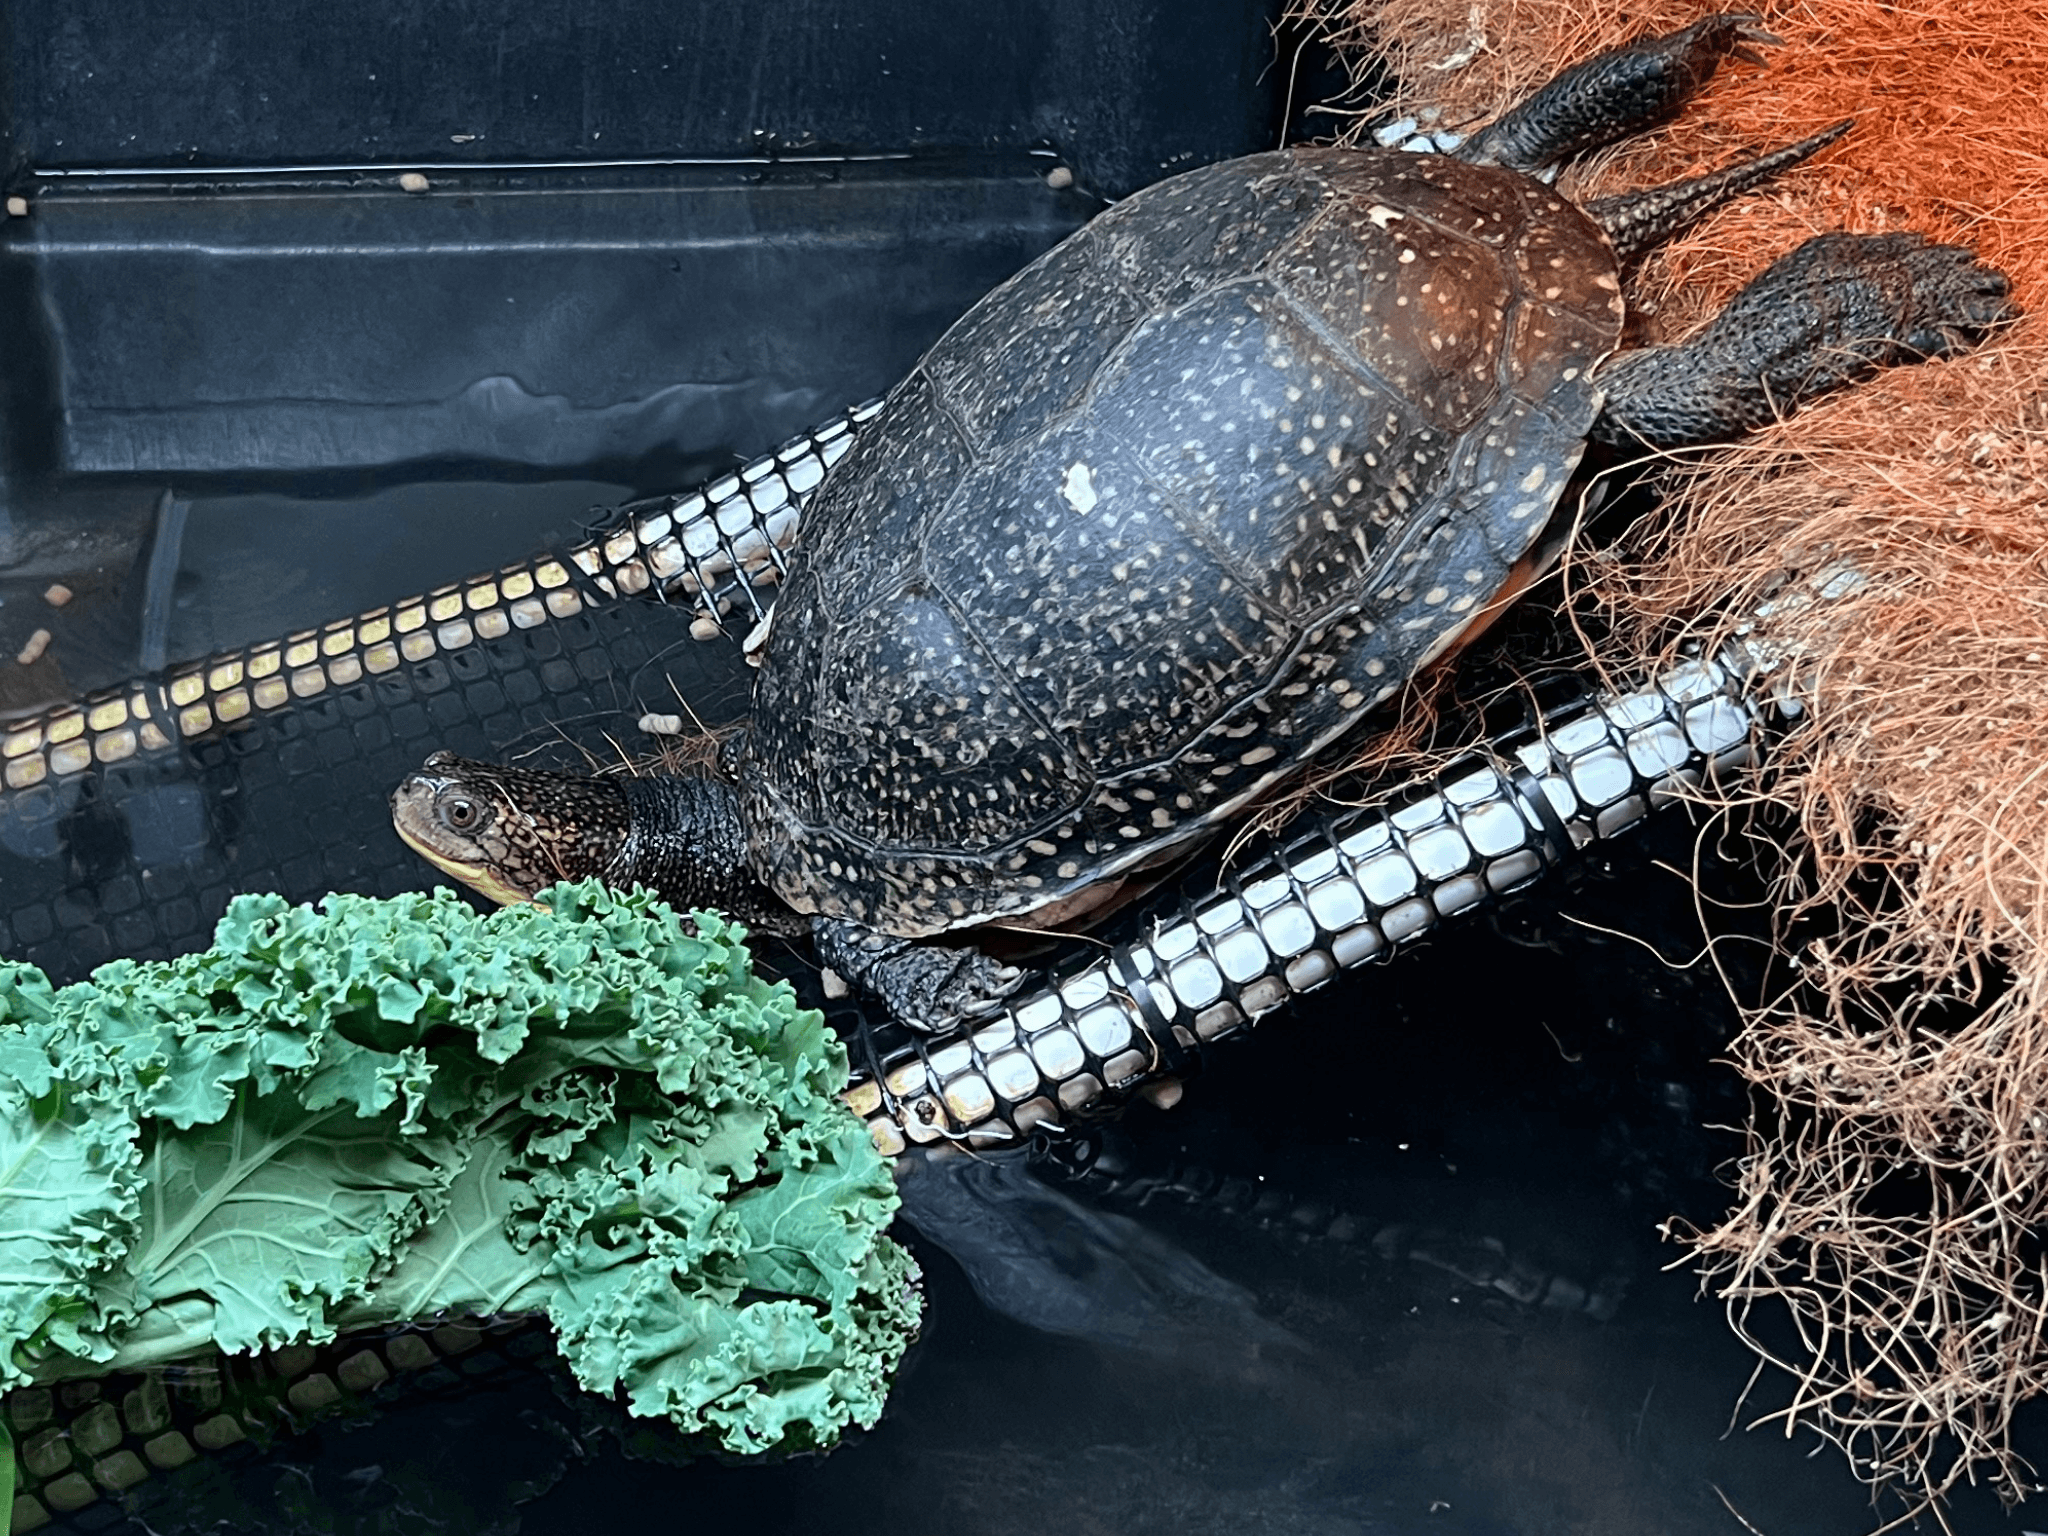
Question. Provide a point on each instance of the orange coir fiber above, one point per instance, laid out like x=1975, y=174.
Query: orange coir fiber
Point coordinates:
x=1896, y=1174
x=1950, y=102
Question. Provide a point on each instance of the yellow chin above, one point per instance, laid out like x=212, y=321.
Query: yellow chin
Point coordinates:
x=477, y=877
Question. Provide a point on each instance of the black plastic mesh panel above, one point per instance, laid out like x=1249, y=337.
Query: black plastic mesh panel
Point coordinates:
x=139, y=858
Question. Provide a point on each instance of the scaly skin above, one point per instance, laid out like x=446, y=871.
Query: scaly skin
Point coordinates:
x=509, y=832
x=1614, y=94
x=1831, y=312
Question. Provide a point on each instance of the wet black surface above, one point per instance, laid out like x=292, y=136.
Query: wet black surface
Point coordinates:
x=550, y=323
x=1134, y=89
x=155, y=575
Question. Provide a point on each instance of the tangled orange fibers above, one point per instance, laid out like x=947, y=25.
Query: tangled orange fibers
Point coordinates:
x=1896, y=1173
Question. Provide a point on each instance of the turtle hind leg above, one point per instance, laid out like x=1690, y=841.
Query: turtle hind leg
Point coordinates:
x=929, y=987
x=1614, y=94
x=1640, y=221
x=1824, y=316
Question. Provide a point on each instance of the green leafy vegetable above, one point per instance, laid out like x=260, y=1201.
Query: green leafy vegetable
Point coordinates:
x=385, y=1110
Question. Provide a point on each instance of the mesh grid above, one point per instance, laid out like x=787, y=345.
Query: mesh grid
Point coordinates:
x=89, y=1451
x=714, y=548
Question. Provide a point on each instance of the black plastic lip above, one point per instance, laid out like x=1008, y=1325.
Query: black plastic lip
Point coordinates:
x=591, y=321
x=806, y=167
x=381, y=168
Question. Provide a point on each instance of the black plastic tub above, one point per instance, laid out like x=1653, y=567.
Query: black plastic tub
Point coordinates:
x=305, y=308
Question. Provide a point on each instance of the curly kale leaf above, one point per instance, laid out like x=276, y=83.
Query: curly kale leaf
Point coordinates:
x=384, y=1110
x=68, y=1211
x=751, y=1315
x=278, y=1215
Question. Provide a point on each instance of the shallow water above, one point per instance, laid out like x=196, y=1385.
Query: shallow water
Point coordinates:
x=1525, y=1095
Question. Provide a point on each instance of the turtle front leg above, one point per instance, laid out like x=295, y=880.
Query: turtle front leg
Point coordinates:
x=928, y=987
x=1614, y=94
x=1824, y=316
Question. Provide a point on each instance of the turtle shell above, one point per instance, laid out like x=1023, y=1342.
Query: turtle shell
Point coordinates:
x=1162, y=517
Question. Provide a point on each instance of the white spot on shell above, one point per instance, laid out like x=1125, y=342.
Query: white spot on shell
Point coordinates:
x=1079, y=489
x=1381, y=215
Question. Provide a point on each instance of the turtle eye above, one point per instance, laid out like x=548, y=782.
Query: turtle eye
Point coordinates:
x=461, y=812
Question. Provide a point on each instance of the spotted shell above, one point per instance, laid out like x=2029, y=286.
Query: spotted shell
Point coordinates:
x=1160, y=519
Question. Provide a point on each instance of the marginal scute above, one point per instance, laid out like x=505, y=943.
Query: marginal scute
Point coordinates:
x=1433, y=189
x=1174, y=509
x=1557, y=347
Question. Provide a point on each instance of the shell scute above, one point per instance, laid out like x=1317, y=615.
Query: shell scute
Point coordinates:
x=923, y=738
x=1425, y=311
x=1026, y=353
x=1206, y=225
x=1260, y=434
x=1120, y=630
x=872, y=511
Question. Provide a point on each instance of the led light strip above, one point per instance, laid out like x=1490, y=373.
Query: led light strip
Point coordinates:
x=720, y=545
x=1353, y=888
x=713, y=546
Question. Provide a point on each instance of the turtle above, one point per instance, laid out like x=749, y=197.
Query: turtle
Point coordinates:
x=1162, y=519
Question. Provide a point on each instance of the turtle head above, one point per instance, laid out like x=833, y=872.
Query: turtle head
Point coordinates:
x=509, y=832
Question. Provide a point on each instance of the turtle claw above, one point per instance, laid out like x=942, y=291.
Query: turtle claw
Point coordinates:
x=926, y=987
x=974, y=986
x=1821, y=317
x=1957, y=299
x=1748, y=37
x=1001, y=986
